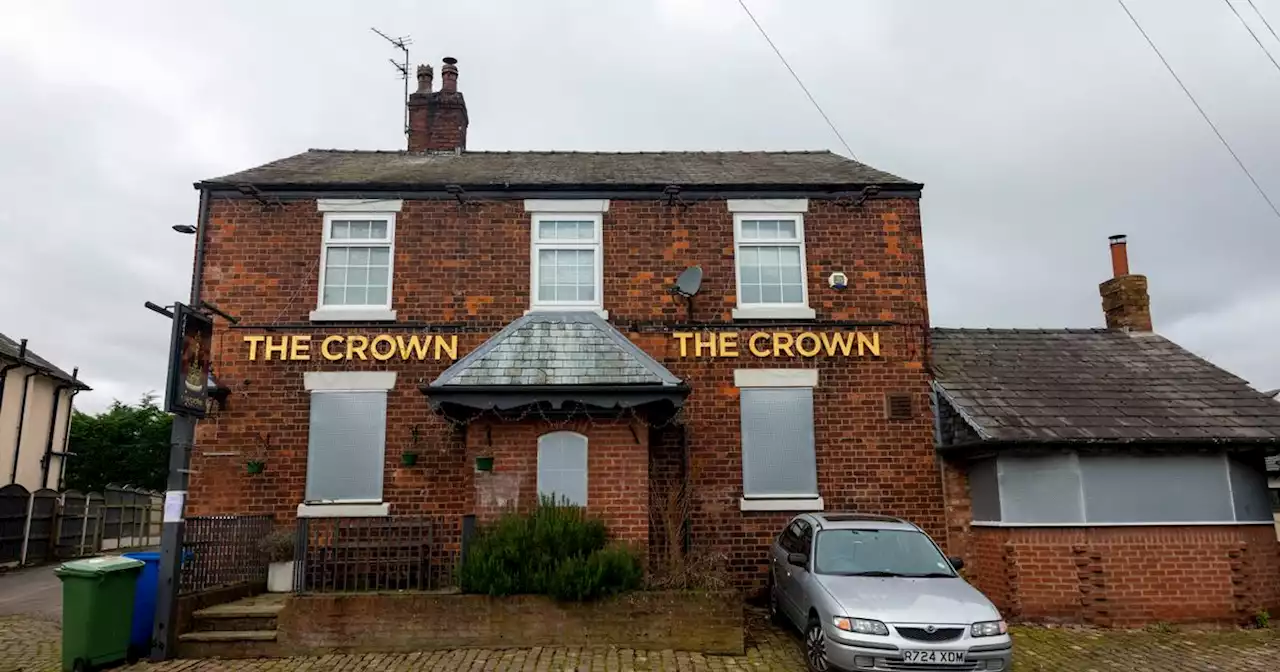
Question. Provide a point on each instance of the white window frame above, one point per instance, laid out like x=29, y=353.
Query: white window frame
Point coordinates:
x=357, y=209
x=348, y=381
x=597, y=245
x=768, y=209
x=586, y=468
x=758, y=378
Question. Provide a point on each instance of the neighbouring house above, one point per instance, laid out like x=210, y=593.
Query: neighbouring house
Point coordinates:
x=1106, y=476
x=446, y=332
x=35, y=416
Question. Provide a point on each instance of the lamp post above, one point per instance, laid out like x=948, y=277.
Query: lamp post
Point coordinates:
x=181, y=437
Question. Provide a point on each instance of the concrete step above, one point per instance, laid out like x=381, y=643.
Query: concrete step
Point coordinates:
x=233, y=623
x=240, y=616
x=230, y=636
x=228, y=644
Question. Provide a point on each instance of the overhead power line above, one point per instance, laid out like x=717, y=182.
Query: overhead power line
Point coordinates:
x=1199, y=109
x=797, y=78
x=1264, y=20
x=1252, y=34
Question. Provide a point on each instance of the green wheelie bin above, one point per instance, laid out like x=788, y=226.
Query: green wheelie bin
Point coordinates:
x=97, y=610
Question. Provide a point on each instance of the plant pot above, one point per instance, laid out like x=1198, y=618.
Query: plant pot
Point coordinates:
x=408, y=459
x=280, y=577
x=255, y=466
x=484, y=464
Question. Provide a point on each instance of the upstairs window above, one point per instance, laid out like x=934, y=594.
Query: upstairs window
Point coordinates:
x=567, y=257
x=770, y=254
x=356, y=263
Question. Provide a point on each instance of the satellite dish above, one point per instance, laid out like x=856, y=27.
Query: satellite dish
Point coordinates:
x=689, y=281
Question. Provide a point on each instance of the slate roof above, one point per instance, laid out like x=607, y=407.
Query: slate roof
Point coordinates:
x=9, y=350
x=320, y=169
x=572, y=348
x=1094, y=385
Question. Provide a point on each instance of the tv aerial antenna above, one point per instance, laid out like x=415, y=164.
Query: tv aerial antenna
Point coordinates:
x=402, y=43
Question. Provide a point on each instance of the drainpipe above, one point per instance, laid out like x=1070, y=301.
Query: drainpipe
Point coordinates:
x=53, y=425
x=66, y=438
x=22, y=420
x=684, y=450
x=4, y=373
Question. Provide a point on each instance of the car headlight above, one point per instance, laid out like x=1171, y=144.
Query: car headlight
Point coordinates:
x=988, y=629
x=862, y=626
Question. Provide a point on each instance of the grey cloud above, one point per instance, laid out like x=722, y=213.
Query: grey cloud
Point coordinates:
x=1039, y=128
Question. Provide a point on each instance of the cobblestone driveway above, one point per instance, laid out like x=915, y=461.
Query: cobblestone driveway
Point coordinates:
x=31, y=645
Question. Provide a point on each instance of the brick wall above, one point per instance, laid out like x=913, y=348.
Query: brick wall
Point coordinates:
x=466, y=271
x=680, y=621
x=1128, y=576
x=617, y=470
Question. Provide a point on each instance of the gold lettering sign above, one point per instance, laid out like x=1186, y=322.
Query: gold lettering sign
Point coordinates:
x=336, y=348
x=778, y=344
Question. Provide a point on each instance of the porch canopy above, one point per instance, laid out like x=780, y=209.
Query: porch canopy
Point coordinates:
x=559, y=360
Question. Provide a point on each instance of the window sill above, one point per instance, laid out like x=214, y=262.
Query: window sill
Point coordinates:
x=774, y=313
x=800, y=505
x=353, y=315
x=339, y=510
x=568, y=309
x=1185, y=523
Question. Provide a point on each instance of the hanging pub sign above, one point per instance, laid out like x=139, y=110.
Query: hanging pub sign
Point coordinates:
x=778, y=344
x=190, y=356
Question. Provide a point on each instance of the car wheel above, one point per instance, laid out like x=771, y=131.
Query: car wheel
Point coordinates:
x=815, y=648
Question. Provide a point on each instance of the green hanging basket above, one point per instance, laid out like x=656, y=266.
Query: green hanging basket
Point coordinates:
x=408, y=459
x=484, y=464
x=255, y=466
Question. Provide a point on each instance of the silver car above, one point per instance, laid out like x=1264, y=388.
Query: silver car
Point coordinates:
x=876, y=593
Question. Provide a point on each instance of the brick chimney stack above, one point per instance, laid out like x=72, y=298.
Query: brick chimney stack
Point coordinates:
x=438, y=119
x=1124, y=297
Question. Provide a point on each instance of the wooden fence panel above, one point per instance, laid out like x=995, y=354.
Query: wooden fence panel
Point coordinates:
x=15, y=502
x=71, y=524
x=112, y=511
x=42, y=526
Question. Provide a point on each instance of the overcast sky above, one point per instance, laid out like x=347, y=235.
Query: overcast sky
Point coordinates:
x=1038, y=128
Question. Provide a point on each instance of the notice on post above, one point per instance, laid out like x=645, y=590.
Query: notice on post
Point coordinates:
x=173, y=501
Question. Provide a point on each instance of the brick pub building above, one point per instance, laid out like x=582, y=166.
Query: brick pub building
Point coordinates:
x=443, y=332
x=506, y=322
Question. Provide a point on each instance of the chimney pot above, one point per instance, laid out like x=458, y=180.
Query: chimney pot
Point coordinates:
x=425, y=74
x=449, y=74
x=1125, y=300
x=1119, y=256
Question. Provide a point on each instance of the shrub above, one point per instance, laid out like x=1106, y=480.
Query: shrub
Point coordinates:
x=555, y=550
x=278, y=545
x=605, y=572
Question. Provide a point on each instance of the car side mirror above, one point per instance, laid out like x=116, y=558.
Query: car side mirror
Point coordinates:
x=957, y=562
x=797, y=559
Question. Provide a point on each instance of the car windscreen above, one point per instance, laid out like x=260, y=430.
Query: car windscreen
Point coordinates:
x=879, y=552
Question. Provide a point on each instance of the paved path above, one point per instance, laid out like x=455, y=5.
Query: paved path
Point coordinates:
x=33, y=592
x=31, y=645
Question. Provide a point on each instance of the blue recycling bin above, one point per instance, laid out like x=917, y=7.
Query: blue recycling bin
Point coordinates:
x=144, y=601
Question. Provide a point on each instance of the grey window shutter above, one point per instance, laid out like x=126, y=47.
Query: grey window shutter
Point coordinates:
x=346, y=446
x=777, y=442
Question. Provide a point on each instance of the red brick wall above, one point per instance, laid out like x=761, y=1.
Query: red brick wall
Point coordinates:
x=617, y=470
x=709, y=622
x=1128, y=576
x=467, y=270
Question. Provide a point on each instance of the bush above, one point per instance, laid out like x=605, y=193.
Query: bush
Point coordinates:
x=605, y=572
x=556, y=550
x=278, y=545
